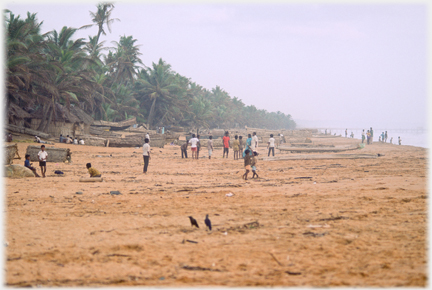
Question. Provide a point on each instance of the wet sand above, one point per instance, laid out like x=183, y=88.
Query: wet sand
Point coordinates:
x=340, y=222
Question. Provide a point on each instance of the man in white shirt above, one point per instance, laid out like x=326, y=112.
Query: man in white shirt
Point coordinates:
x=194, y=142
x=254, y=143
x=146, y=154
x=271, y=144
x=42, y=155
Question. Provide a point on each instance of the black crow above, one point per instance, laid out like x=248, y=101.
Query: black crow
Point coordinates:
x=207, y=222
x=193, y=222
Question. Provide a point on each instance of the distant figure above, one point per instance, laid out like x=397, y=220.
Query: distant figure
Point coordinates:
x=146, y=154
x=363, y=136
x=42, y=155
x=69, y=140
x=352, y=135
x=147, y=136
x=236, y=147
x=240, y=145
x=254, y=145
x=93, y=171
x=193, y=141
x=371, y=138
x=248, y=145
x=325, y=131
x=210, y=146
x=382, y=137
x=391, y=140
x=81, y=142
x=75, y=141
x=198, y=146
x=183, y=149
x=193, y=222
x=385, y=137
x=281, y=141
x=163, y=130
x=208, y=222
x=399, y=140
x=29, y=165
x=271, y=145
x=226, y=144
x=254, y=161
x=247, y=163
x=9, y=137
x=61, y=138
x=346, y=133
x=368, y=135
x=379, y=138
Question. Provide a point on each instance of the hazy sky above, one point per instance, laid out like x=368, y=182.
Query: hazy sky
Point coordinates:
x=357, y=65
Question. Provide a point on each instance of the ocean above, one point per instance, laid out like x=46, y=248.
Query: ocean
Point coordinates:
x=412, y=137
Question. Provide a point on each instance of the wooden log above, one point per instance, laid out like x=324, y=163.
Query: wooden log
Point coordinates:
x=320, y=156
x=22, y=130
x=54, y=154
x=91, y=179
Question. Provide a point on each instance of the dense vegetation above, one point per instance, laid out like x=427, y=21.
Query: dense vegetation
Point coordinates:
x=50, y=68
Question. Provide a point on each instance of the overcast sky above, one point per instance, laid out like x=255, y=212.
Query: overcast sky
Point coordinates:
x=357, y=65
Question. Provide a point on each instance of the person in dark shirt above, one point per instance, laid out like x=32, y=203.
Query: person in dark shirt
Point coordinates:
x=29, y=165
x=247, y=164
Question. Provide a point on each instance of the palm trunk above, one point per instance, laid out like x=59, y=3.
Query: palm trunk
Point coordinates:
x=48, y=122
x=150, y=118
x=44, y=113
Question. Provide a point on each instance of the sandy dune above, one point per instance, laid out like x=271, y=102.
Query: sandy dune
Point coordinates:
x=348, y=222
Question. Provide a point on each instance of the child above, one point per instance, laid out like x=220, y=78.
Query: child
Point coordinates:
x=247, y=164
x=236, y=147
x=226, y=144
x=42, y=155
x=254, y=162
x=210, y=146
x=75, y=141
x=400, y=140
x=81, y=142
x=270, y=145
x=194, y=141
x=146, y=154
x=183, y=149
x=93, y=171
x=29, y=165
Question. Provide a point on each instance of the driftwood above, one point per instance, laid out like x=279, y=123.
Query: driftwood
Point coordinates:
x=22, y=130
x=91, y=179
x=54, y=154
x=320, y=156
x=11, y=151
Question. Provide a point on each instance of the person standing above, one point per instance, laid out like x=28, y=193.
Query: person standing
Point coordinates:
x=210, y=146
x=183, y=149
x=368, y=135
x=363, y=136
x=271, y=144
x=42, y=155
x=399, y=140
x=247, y=163
x=146, y=154
x=226, y=144
x=385, y=137
x=281, y=141
x=198, y=147
x=371, y=135
x=193, y=141
x=254, y=143
x=240, y=145
x=346, y=133
x=236, y=147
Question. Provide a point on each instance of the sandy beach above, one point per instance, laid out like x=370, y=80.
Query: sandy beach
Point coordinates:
x=335, y=222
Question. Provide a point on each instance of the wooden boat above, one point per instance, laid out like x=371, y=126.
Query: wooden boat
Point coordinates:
x=54, y=154
x=115, y=126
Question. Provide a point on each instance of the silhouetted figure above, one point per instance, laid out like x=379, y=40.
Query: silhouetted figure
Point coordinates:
x=207, y=222
x=193, y=222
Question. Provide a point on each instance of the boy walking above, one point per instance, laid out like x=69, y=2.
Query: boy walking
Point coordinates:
x=226, y=143
x=210, y=146
x=247, y=164
x=42, y=155
x=146, y=154
x=254, y=162
x=270, y=145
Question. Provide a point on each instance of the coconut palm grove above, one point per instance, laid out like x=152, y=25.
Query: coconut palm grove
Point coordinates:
x=112, y=83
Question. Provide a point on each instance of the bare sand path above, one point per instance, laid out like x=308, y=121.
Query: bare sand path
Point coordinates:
x=354, y=222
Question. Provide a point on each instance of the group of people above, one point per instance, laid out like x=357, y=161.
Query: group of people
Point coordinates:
x=70, y=140
x=381, y=138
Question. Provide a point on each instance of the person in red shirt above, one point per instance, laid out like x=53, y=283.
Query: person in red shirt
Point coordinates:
x=226, y=143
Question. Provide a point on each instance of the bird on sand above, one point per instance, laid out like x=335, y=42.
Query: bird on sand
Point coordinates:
x=207, y=222
x=193, y=222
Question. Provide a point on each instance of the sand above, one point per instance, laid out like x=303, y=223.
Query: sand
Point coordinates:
x=347, y=222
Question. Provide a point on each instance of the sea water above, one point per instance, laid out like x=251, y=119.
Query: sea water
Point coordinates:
x=412, y=137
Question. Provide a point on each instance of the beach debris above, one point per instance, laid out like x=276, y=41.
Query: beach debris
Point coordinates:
x=79, y=192
x=162, y=278
x=312, y=234
x=58, y=172
x=186, y=267
x=208, y=222
x=18, y=171
x=292, y=273
x=303, y=177
x=91, y=179
x=229, y=194
x=193, y=222
x=115, y=192
x=318, y=226
x=334, y=218
x=275, y=259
